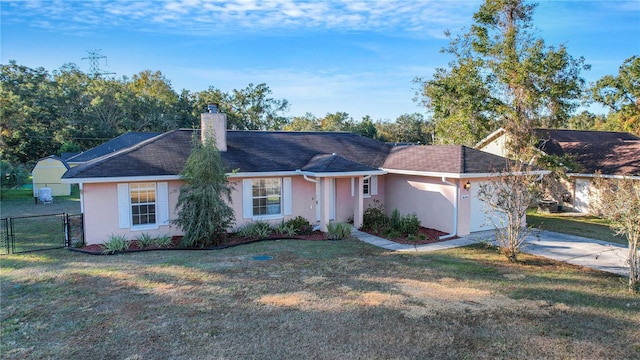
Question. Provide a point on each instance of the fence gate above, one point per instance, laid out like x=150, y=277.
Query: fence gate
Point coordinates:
x=43, y=232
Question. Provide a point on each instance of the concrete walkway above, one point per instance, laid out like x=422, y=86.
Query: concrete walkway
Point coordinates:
x=595, y=254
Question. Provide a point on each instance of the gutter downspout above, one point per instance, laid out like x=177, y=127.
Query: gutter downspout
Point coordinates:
x=80, y=187
x=315, y=181
x=455, y=211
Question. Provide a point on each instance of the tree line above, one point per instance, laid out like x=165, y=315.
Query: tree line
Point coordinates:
x=69, y=110
x=501, y=75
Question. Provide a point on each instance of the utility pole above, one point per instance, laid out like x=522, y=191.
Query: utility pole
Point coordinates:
x=94, y=63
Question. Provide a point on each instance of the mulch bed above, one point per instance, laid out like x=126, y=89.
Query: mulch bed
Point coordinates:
x=432, y=236
x=230, y=241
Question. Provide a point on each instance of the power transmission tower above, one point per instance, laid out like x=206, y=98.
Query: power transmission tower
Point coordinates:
x=94, y=63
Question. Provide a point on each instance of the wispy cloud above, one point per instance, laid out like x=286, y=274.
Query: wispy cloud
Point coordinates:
x=201, y=17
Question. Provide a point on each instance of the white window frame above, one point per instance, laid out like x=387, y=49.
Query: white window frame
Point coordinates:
x=125, y=216
x=143, y=189
x=366, y=187
x=285, y=199
x=369, y=186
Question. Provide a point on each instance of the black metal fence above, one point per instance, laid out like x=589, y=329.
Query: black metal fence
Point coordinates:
x=42, y=232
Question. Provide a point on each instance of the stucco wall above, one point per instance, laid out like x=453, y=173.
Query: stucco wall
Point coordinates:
x=101, y=213
x=429, y=198
x=345, y=202
x=101, y=207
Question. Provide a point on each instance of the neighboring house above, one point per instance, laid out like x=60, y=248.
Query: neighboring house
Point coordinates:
x=47, y=173
x=277, y=175
x=597, y=153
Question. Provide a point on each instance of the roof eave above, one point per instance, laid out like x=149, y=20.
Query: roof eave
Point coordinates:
x=463, y=175
x=119, y=179
x=604, y=176
x=341, y=174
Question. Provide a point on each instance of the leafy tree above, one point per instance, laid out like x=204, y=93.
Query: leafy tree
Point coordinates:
x=508, y=196
x=108, y=114
x=411, y=128
x=621, y=94
x=460, y=103
x=27, y=114
x=618, y=200
x=204, y=211
x=252, y=108
x=154, y=103
x=365, y=128
x=210, y=96
x=307, y=122
x=338, y=121
x=585, y=121
x=502, y=75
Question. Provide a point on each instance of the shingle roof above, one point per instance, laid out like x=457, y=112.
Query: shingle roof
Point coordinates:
x=164, y=154
x=609, y=158
x=275, y=151
x=334, y=163
x=565, y=135
x=453, y=159
x=607, y=152
x=247, y=151
x=121, y=142
x=263, y=151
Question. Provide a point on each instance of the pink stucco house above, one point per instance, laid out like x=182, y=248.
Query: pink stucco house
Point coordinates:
x=277, y=175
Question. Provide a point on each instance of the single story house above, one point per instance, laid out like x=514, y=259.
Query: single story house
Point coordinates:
x=597, y=153
x=278, y=175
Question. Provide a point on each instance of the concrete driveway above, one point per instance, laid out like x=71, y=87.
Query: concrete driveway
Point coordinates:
x=595, y=254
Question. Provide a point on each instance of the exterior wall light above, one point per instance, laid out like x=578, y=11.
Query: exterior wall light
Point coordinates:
x=467, y=186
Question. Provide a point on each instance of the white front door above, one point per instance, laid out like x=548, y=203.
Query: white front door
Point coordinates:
x=331, y=196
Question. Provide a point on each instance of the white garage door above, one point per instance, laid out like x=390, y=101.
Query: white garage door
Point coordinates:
x=481, y=218
x=581, y=200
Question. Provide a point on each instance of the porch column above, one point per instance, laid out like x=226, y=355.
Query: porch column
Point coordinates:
x=358, y=207
x=324, y=203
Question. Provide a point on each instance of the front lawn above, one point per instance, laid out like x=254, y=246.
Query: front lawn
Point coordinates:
x=572, y=224
x=322, y=300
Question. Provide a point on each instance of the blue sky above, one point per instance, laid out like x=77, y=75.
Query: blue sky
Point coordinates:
x=355, y=56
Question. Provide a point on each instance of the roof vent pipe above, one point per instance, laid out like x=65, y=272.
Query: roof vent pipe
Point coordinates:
x=212, y=108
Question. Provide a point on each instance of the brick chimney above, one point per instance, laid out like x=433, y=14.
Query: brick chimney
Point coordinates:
x=214, y=124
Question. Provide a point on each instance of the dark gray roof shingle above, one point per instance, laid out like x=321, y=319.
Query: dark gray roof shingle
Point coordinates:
x=121, y=142
x=452, y=159
x=247, y=151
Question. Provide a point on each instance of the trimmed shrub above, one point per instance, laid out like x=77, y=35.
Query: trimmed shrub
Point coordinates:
x=259, y=229
x=286, y=228
x=338, y=231
x=144, y=240
x=115, y=244
x=301, y=225
x=374, y=217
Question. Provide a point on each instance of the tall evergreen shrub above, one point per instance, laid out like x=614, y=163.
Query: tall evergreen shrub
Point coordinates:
x=204, y=203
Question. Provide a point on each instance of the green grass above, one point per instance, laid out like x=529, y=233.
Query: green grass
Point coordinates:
x=322, y=299
x=16, y=194
x=586, y=226
x=27, y=194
